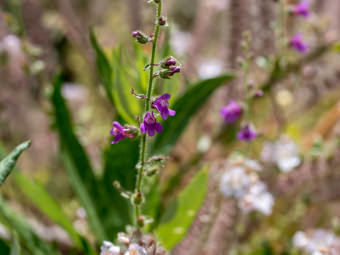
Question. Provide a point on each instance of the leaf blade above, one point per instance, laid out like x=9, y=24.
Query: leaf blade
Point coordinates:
x=178, y=217
x=8, y=163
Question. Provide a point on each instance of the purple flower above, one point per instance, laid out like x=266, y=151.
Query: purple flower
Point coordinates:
x=246, y=134
x=162, y=105
x=302, y=9
x=298, y=44
x=119, y=132
x=150, y=125
x=231, y=112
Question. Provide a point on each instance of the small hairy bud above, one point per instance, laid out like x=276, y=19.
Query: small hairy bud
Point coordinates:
x=140, y=37
x=168, y=62
x=140, y=221
x=137, y=199
x=162, y=21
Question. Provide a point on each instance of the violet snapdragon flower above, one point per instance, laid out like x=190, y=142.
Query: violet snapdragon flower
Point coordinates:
x=247, y=133
x=162, y=105
x=119, y=132
x=150, y=125
x=302, y=9
x=298, y=44
x=231, y=112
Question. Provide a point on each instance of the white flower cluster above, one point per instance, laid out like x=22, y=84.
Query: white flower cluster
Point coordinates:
x=317, y=242
x=136, y=245
x=109, y=248
x=284, y=153
x=242, y=182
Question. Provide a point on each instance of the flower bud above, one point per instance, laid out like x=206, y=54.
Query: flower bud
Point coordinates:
x=258, y=93
x=137, y=199
x=140, y=37
x=168, y=62
x=140, y=221
x=162, y=21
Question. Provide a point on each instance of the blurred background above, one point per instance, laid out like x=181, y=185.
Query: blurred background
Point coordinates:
x=40, y=38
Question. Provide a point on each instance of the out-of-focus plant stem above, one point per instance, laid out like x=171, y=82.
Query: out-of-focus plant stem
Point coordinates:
x=147, y=107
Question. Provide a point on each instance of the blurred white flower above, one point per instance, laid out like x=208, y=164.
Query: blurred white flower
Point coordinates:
x=180, y=41
x=284, y=153
x=317, y=242
x=257, y=199
x=135, y=249
x=109, y=248
x=235, y=182
x=210, y=68
x=241, y=181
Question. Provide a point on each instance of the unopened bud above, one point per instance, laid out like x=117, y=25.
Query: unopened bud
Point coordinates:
x=140, y=221
x=141, y=38
x=137, y=198
x=168, y=62
x=258, y=93
x=162, y=21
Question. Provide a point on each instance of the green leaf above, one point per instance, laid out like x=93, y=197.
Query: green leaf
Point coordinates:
x=186, y=106
x=124, y=79
x=29, y=239
x=8, y=163
x=77, y=164
x=47, y=204
x=15, y=250
x=4, y=247
x=181, y=212
x=103, y=66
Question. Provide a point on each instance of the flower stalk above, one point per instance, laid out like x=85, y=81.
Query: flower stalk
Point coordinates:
x=147, y=108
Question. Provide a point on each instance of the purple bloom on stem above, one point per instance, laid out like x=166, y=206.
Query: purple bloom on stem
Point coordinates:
x=150, y=125
x=298, y=44
x=302, y=9
x=119, y=132
x=246, y=134
x=162, y=105
x=231, y=112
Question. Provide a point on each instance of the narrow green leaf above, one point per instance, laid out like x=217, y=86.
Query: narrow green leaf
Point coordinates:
x=29, y=239
x=4, y=247
x=186, y=107
x=103, y=66
x=47, y=204
x=181, y=212
x=77, y=163
x=124, y=79
x=15, y=249
x=8, y=163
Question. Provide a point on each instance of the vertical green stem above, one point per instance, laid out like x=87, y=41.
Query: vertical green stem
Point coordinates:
x=147, y=107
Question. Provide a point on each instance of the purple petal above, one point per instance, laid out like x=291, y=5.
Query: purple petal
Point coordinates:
x=172, y=112
x=158, y=127
x=151, y=132
x=165, y=96
x=164, y=115
x=142, y=128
